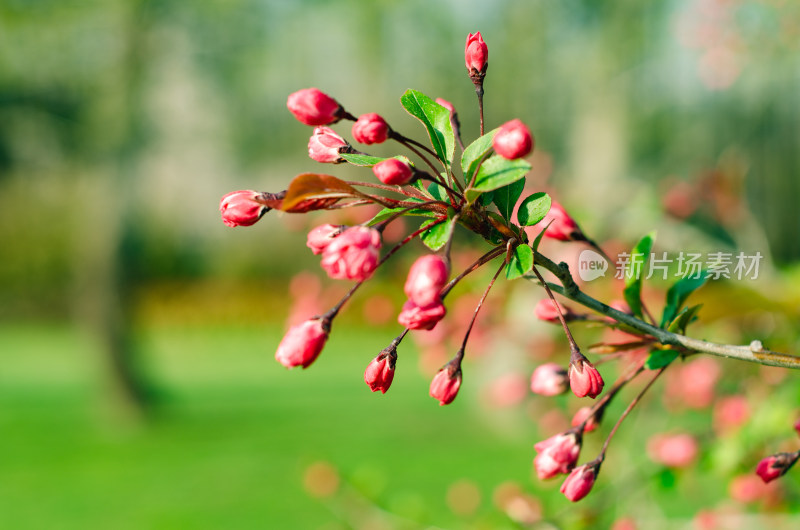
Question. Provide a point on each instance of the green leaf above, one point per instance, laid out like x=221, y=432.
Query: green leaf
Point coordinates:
x=534, y=208
x=438, y=192
x=684, y=318
x=496, y=172
x=436, y=237
x=436, y=120
x=660, y=359
x=521, y=262
x=506, y=197
x=359, y=159
x=420, y=185
x=678, y=293
x=635, y=273
x=388, y=212
x=538, y=239
x=474, y=152
x=486, y=198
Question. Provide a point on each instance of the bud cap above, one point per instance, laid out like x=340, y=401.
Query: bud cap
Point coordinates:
x=370, y=129
x=302, y=344
x=239, y=208
x=313, y=107
x=513, y=140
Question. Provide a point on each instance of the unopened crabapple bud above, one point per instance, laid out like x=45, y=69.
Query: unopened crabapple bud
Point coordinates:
x=426, y=278
x=302, y=344
x=579, y=483
x=370, y=129
x=557, y=454
x=320, y=237
x=239, y=208
x=584, y=379
x=324, y=146
x=476, y=54
x=445, y=384
x=353, y=254
x=513, y=140
x=393, y=172
x=549, y=379
x=581, y=416
x=546, y=310
x=415, y=317
x=559, y=224
x=380, y=371
x=313, y=107
x=776, y=465
x=797, y=426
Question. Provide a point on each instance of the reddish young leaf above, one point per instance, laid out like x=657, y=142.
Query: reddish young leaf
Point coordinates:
x=315, y=186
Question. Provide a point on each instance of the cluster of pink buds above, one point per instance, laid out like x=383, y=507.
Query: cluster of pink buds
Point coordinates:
x=424, y=307
x=482, y=191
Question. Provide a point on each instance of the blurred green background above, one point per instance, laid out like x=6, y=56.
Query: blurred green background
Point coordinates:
x=137, y=385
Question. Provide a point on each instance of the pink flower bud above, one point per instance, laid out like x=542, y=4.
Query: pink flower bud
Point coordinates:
x=313, y=107
x=320, y=237
x=797, y=426
x=324, y=146
x=549, y=380
x=672, y=450
x=579, y=483
x=239, y=208
x=776, y=465
x=584, y=379
x=370, y=129
x=380, y=371
x=415, y=317
x=513, y=140
x=393, y=172
x=302, y=344
x=561, y=226
x=546, y=310
x=582, y=414
x=426, y=278
x=476, y=54
x=353, y=254
x=445, y=384
x=557, y=454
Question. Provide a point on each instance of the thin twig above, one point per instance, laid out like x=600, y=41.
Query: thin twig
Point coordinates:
x=460, y=354
x=626, y=412
x=486, y=258
x=573, y=346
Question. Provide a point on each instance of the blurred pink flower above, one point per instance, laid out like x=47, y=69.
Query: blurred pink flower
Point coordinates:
x=672, y=450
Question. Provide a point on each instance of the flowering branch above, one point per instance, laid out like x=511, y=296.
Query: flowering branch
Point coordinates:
x=754, y=352
x=488, y=202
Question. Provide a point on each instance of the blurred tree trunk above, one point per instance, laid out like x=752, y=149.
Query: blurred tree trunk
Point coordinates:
x=107, y=274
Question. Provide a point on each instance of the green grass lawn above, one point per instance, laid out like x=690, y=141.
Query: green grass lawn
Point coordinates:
x=235, y=433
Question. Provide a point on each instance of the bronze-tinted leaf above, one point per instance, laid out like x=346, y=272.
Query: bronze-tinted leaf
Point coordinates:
x=315, y=186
